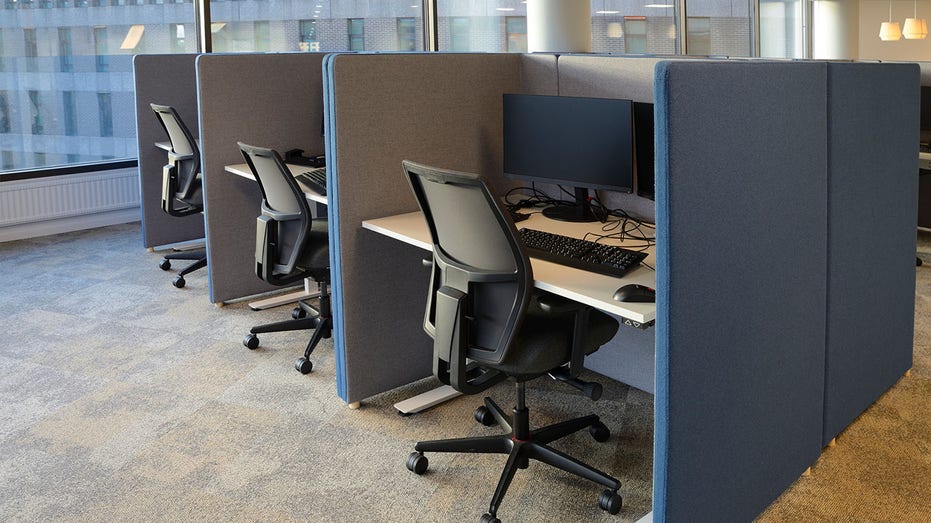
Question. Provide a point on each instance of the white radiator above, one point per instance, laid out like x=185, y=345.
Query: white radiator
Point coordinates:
x=57, y=197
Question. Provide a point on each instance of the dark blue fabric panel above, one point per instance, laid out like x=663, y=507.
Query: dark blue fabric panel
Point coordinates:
x=741, y=199
x=872, y=183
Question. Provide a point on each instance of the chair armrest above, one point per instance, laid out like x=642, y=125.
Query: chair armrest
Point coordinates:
x=450, y=346
x=557, y=305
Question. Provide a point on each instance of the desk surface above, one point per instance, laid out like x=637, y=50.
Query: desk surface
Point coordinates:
x=243, y=170
x=586, y=287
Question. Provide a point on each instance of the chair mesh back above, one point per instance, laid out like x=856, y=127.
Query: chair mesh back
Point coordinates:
x=468, y=226
x=282, y=196
x=183, y=144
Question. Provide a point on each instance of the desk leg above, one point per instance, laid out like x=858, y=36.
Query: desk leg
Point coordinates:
x=291, y=297
x=426, y=400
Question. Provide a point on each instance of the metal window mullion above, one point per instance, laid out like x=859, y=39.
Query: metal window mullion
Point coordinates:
x=202, y=26
x=431, y=41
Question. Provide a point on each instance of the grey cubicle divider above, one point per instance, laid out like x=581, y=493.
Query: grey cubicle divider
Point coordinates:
x=741, y=290
x=440, y=109
x=873, y=185
x=630, y=356
x=167, y=79
x=268, y=99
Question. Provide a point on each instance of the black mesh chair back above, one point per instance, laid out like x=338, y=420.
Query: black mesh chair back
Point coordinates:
x=281, y=247
x=184, y=159
x=480, y=273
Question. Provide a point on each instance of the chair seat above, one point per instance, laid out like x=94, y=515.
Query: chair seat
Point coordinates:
x=545, y=341
x=315, y=260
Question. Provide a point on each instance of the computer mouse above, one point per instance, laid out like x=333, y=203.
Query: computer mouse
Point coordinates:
x=636, y=293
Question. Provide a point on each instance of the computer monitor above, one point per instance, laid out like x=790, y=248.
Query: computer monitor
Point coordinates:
x=643, y=144
x=925, y=127
x=586, y=143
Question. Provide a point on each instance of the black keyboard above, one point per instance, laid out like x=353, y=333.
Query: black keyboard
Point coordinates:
x=581, y=254
x=315, y=179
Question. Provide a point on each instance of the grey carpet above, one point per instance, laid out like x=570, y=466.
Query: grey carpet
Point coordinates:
x=125, y=399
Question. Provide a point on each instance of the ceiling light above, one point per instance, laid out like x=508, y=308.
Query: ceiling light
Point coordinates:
x=915, y=28
x=890, y=30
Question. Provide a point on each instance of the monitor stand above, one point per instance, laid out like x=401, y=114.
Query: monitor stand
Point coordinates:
x=580, y=211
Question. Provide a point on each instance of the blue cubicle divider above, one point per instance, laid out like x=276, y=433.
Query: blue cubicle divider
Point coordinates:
x=741, y=219
x=872, y=136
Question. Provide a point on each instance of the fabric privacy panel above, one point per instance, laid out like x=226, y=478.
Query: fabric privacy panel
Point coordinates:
x=438, y=109
x=538, y=74
x=164, y=80
x=873, y=182
x=741, y=287
x=270, y=100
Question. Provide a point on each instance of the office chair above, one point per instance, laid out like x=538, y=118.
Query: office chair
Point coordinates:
x=290, y=245
x=489, y=323
x=181, y=185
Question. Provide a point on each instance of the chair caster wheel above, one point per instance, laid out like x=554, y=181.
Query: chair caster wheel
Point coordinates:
x=610, y=501
x=251, y=341
x=164, y=265
x=298, y=313
x=417, y=463
x=179, y=282
x=600, y=432
x=483, y=416
x=488, y=518
x=303, y=365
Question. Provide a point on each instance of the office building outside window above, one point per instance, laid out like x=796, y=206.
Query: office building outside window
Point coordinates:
x=4, y=112
x=65, y=53
x=105, y=110
x=308, y=37
x=407, y=34
x=31, y=49
x=635, y=34
x=699, y=35
x=35, y=111
x=262, y=35
x=459, y=33
x=70, y=113
x=516, y=34
x=356, y=34
x=101, y=49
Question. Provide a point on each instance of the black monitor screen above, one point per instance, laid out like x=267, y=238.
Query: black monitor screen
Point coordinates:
x=925, y=109
x=643, y=138
x=582, y=142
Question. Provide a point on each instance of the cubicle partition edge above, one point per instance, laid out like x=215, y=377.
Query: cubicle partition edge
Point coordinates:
x=268, y=99
x=440, y=109
x=168, y=79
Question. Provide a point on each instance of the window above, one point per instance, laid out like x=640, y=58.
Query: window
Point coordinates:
x=35, y=111
x=65, y=57
x=177, y=38
x=30, y=48
x=459, y=37
x=4, y=112
x=309, y=41
x=516, y=28
x=407, y=34
x=262, y=35
x=699, y=35
x=70, y=113
x=356, y=34
x=101, y=50
x=635, y=34
x=105, y=111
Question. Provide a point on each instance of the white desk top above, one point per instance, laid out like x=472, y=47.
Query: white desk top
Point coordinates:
x=242, y=169
x=586, y=287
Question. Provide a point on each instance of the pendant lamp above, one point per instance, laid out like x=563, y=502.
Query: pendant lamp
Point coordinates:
x=890, y=30
x=915, y=28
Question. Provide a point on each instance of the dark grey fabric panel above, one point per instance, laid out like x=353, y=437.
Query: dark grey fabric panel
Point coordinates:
x=538, y=74
x=437, y=109
x=271, y=100
x=165, y=80
x=872, y=182
x=612, y=77
x=740, y=320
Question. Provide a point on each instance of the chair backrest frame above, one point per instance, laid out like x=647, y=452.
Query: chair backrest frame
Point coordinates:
x=283, y=226
x=184, y=156
x=482, y=279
